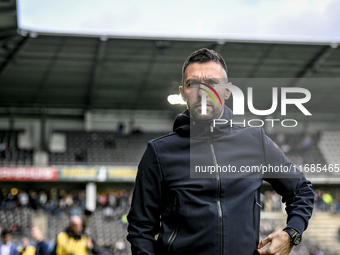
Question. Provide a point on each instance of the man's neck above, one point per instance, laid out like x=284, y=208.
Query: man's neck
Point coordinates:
x=221, y=113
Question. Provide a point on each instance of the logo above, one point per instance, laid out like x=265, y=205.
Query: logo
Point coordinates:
x=239, y=101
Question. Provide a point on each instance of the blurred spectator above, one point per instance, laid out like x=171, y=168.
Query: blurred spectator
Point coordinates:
x=33, y=199
x=80, y=154
x=4, y=199
x=41, y=246
x=102, y=200
x=42, y=198
x=53, y=194
x=69, y=200
x=3, y=151
x=74, y=241
x=110, y=142
x=305, y=145
x=123, y=200
x=327, y=199
x=112, y=200
x=120, y=131
x=108, y=213
x=23, y=198
x=7, y=247
x=26, y=248
x=306, y=142
x=319, y=204
x=82, y=200
x=315, y=251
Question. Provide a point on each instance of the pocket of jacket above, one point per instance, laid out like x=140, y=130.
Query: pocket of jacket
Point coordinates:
x=172, y=239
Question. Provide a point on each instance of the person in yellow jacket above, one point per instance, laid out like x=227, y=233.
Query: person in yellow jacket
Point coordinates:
x=26, y=248
x=73, y=241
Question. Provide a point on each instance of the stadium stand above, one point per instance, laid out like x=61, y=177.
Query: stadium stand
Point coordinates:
x=329, y=146
x=105, y=148
x=10, y=152
x=300, y=148
x=94, y=148
x=51, y=211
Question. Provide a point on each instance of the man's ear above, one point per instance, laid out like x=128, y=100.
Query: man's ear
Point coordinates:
x=227, y=95
x=181, y=89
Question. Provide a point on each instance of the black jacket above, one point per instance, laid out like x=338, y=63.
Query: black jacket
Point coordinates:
x=216, y=215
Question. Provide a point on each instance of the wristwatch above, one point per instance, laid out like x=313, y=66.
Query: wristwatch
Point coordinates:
x=295, y=237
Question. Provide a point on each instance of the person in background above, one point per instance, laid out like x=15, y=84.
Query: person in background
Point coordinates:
x=26, y=248
x=7, y=247
x=41, y=246
x=74, y=241
x=315, y=251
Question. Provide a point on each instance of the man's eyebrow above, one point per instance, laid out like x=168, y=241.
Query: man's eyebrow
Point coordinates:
x=212, y=80
x=191, y=80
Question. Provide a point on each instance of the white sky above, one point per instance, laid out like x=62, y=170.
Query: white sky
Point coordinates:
x=278, y=20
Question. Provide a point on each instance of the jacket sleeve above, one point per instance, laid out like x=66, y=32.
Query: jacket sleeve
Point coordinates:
x=291, y=184
x=144, y=215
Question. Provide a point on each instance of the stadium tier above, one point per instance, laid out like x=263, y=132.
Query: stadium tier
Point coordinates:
x=111, y=148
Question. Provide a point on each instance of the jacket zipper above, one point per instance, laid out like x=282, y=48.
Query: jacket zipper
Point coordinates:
x=174, y=233
x=218, y=178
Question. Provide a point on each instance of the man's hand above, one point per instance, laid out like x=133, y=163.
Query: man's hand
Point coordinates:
x=280, y=244
x=89, y=244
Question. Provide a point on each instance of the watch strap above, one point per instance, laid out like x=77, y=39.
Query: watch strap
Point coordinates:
x=295, y=237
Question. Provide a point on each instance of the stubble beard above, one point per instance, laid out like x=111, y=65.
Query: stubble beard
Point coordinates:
x=214, y=113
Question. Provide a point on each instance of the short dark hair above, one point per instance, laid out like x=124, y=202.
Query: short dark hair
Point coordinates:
x=204, y=55
x=5, y=232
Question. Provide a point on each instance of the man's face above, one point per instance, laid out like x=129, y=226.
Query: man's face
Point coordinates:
x=25, y=242
x=209, y=72
x=76, y=226
x=36, y=234
x=7, y=238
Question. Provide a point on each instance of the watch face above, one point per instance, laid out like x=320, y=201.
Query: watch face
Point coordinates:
x=297, y=239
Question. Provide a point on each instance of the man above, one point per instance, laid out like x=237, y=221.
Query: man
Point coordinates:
x=218, y=215
x=74, y=241
x=7, y=248
x=26, y=248
x=41, y=247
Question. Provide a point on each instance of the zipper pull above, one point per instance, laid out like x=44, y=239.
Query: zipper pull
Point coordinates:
x=211, y=129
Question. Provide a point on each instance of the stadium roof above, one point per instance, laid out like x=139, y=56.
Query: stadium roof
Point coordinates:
x=84, y=73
